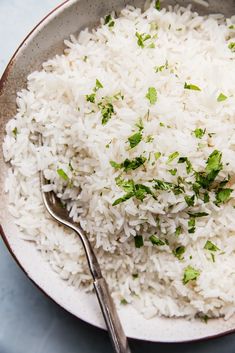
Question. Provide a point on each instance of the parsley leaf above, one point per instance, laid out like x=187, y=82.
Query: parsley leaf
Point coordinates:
x=221, y=97
x=231, y=46
x=210, y=246
x=206, y=197
x=198, y=214
x=115, y=165
x=134, y=163
x=157, y=5
x=172, y=156
x=135, y=139
x=191, y=225
x=156, y=241
x=214, y=166
x=107, y=111
x=191, y=86
x=141, y=191
x=157, y=155
x=126, y=185
x=189, y=167
x=163, y=185
x=15, y=131
x=141, y=38
x=178, y=231
x=62, y=174
x=98, y=85
x=189, y=200
x=173, y=171
x=190, y=274
x=161, y=68
x=178, y=252
x=123, y=198
x=223, y=195
x=109, y=21
x=139, y=241
x=91, y=97
x=140, y=125
x=152, y=95
x=199, y=133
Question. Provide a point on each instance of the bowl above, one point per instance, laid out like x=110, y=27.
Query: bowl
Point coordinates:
x=45, y=41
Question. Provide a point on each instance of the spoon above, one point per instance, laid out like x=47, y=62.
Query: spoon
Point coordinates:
x=61, y=215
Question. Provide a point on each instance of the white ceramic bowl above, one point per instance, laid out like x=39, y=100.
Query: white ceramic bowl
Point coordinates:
x=43, y=42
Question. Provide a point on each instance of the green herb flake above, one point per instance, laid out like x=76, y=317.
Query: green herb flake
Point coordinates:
x=162, y=124
x=134, y=163
x=205, y=319
x=15, y=132
x=135, y=139
x=135, y=275
x=214, y=162
x=156, y=241
x=206, y=197
x=107, y=111
x=189, y=167
x=139, y=242
x=173, y=171
x=91, y=97
x=178, y=252
x=189, y=200
x=98, y=85
x=210, y=246
x=191, y=225
x=123, y=301
x=141, y=38
x=157, y=155
x=149, y=139
x=199, y=133
x=190, y=274
x=191, y=86
x=163, y=185
x=223, y=195
x=221, y=97
x=109, y=21
x=85, y=58
x=172, y=156
x=152, y=95
x=123, y=198
x=140, y=125
x=62, y=174
x=157, y=5
x=178, y=231
x=115, y=165
x=126, y=185
x=198, y=214
x=231, y=46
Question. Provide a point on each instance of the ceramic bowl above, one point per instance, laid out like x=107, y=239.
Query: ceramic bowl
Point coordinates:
x=42, y=43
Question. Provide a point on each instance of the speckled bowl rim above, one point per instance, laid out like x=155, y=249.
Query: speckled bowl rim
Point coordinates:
x=6, y=239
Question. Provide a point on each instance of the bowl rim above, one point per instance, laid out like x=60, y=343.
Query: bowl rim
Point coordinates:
x=3, y=79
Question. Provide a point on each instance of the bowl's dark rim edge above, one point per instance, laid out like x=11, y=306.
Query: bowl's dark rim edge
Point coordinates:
x=3, y=79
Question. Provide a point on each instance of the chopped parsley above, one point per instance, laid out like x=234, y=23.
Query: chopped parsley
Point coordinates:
x=206, y=197
x=123, y=301
x=62, y=174
x=172, y=156
x=152, y=95
x=221, y=97
x=199, y=133
x=210, y=246
x=190, y=274
x=178, y=231
x=198, y=214
x=157, y=5
x=231, y=27
x=156, y=241
x=135, y=275
x=139, y=241
x=91, y=97
x=107, y=111
x=15, y=131
x=149, y=139
x=157, y=155
x=178, y=252
x=161, y=67
x=213, y=167
x=109, y=21
x=135, y=139
x=173, y=171
x=223, y=195
x=231, y=46
x=140, y=125
x=129, y=164
x=189, y=200
x=163, y=185
x=141, y=38
x=191, y=225
x=123, y=198
x=191, y=86
x=189, y=167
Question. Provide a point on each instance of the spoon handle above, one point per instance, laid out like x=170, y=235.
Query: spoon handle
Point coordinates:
x=116, y=333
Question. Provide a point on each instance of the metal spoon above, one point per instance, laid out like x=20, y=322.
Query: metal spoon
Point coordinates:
x=61, y=215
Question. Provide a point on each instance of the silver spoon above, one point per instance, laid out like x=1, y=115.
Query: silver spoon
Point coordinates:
x=61, y=215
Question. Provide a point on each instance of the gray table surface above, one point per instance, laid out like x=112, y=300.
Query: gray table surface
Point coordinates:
x=29, y=321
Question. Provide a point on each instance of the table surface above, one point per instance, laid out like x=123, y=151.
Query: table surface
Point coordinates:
x=30, y=322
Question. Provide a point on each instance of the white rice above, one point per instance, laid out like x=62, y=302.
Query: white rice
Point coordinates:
x=55, y=104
